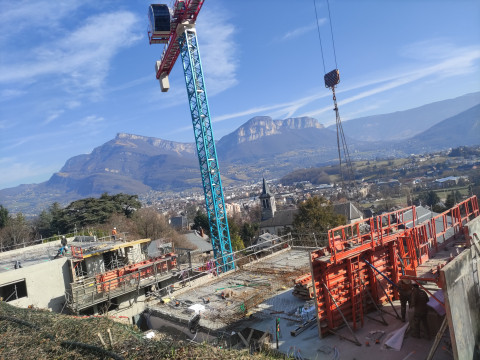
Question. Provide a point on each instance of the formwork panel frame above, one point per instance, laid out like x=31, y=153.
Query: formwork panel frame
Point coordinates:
x=387, y=239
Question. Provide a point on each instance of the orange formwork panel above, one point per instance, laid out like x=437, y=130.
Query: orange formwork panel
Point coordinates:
x=390, y=242
x=110, y=280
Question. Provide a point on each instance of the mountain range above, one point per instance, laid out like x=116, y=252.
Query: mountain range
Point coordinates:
x=261, y=147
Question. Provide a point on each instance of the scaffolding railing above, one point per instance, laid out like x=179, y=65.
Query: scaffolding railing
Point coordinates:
x=368, y=233
x=423, y=241
x=105, y=286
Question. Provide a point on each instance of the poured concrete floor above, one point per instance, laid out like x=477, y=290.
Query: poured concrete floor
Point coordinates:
x=269, y=284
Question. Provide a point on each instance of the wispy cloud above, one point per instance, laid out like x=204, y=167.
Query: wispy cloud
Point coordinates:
x=3, y=124
x=91, y=120
x=302, y=30
x=464, y=61
x=15, y=172
x=20, y=16
x=9, y=94
x=130, y=84
x=218, y=50
x=52, y=116
x=80, y=60
x=72, y=104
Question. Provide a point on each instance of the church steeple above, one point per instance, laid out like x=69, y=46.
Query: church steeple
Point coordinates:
x=268, y=202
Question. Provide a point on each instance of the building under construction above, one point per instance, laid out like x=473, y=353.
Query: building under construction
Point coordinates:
x=352, y=284
x=344, y=300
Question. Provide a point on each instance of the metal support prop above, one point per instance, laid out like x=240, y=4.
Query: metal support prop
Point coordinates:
x=388, y=297
x=374, y=268
x=206, y=150
x=384, y=322
x=356, y=342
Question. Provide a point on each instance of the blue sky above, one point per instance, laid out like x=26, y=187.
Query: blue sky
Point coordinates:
x=73, y=74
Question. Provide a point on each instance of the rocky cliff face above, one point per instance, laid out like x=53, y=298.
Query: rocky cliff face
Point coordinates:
x=130, y=140
x=261, y=126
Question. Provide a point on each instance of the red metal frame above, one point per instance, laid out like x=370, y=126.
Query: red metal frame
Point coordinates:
x=172, y=49
x=110, y=280
x=390, y=237
x=77, y=252
x=346, y=240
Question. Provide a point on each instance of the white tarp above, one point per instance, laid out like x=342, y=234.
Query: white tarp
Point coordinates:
x=394, y=340
x=197, y=308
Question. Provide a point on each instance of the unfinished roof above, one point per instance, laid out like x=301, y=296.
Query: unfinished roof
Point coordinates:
x=32, y=255
x=243, y=290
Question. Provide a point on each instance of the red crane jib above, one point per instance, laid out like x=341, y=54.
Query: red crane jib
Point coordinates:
x=181, y=13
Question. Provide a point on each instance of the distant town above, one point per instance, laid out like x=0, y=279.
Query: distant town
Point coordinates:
x=381, y=184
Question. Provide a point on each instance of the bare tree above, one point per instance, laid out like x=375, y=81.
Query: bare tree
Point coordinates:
x=17, y=231
x=150, y=224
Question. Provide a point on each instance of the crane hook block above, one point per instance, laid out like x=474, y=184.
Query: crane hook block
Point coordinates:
x=332, y=78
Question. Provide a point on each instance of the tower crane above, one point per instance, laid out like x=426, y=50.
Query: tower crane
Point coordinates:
x=175, y=27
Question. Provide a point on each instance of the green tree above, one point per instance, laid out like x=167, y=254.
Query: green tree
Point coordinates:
x=314, y=218
x=237, y=242
x=234, y=229
x=200, y=221
x=42, y=224
x=91, y=211
x=3, y=216
x=57, y=223
x=429, y=198
x=248, y=232
x=450, y=201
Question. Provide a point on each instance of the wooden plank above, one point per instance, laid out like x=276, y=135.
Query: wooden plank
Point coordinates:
x=243, y=339
x=250, y=336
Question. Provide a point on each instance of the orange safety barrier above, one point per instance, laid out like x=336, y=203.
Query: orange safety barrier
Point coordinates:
x=368, y=233
x=130, y=274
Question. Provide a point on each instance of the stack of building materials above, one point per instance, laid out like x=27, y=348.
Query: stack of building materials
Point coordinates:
x=303, y=287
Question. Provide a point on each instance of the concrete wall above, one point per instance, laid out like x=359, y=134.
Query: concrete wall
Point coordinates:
x=134, y=254
x=46, y=283
x=129, y=305
x=462, y=297
x=95, y=265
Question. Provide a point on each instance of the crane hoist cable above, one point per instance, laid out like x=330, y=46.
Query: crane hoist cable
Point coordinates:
x=332, y=79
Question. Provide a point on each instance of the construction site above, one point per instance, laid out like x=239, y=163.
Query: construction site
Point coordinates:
x=340, y=301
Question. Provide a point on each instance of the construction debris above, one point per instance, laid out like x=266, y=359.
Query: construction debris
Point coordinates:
x=303, y=288
x=303, y=327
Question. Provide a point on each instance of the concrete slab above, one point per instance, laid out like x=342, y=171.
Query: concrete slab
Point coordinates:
x=311, y=346
x=243, y=290
x=269, y=282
